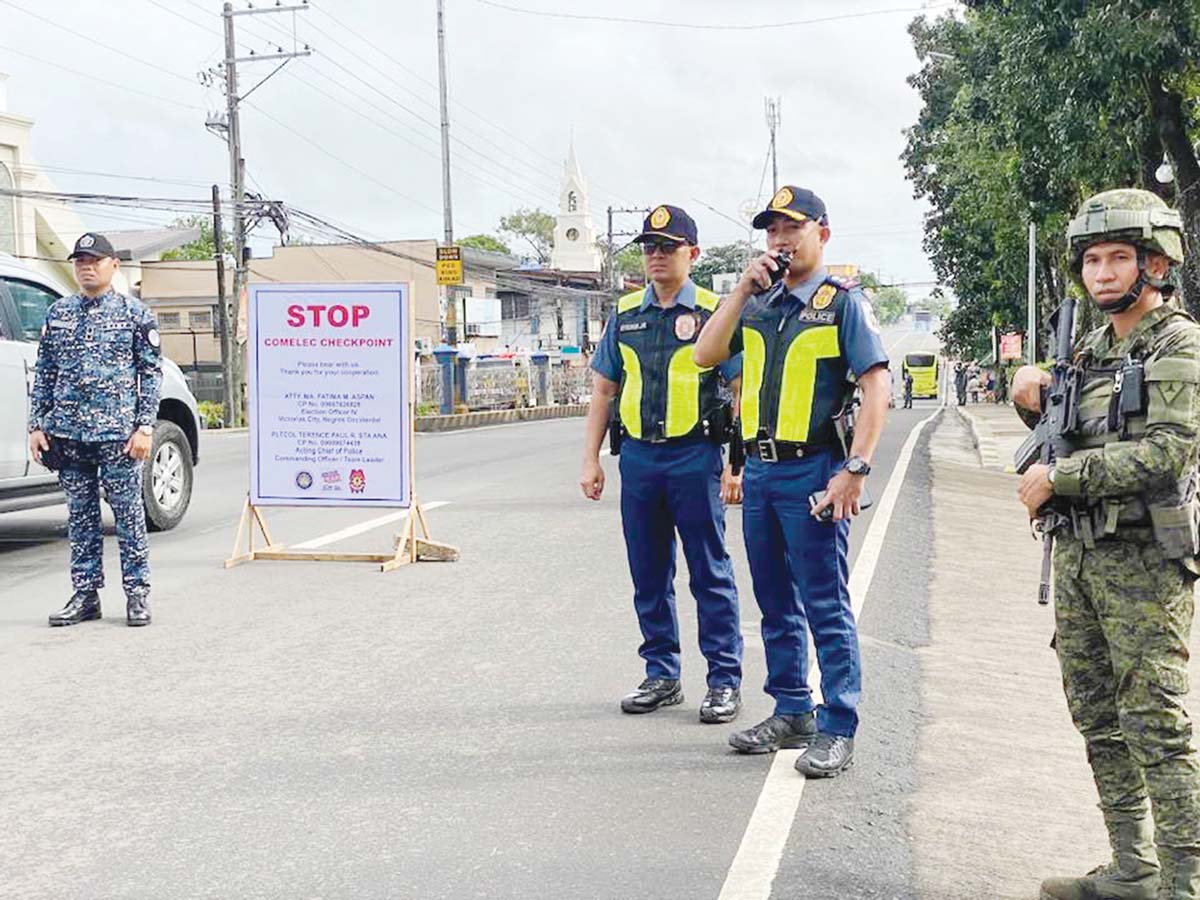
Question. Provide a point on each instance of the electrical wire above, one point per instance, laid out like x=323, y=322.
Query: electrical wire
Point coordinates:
x=91, y=78
x=700, y=26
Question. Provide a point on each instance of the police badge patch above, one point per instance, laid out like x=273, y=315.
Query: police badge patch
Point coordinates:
x=87, y=241
x=660, y=217
x=685, y=326
x=782, y=199
x=823, y=297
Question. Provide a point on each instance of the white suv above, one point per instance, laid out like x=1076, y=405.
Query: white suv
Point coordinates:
x=25, y=295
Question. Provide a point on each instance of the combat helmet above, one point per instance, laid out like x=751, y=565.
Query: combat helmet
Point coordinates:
x=1128, y=216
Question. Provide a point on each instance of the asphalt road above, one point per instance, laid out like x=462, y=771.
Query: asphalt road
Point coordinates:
x=449, y=730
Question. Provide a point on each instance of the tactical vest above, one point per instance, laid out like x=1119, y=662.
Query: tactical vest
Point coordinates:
x=794, y=379
x=664, y=394
x=1104, y=421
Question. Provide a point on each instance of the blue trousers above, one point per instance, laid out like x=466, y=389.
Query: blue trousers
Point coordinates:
x=800, y=569
x=87, y=467
x=676, y=487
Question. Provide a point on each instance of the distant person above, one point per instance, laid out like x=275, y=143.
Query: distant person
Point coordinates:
x=960, y=383
x=908, y=389
x=91, y=417
x=973, y=387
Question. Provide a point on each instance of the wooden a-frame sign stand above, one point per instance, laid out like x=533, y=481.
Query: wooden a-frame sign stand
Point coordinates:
x=410, y=547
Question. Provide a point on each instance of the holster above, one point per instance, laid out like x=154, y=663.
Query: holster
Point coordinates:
x=616, y=433
x=737, y=449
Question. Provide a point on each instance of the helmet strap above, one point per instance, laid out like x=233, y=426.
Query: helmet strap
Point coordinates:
x=1144, y=280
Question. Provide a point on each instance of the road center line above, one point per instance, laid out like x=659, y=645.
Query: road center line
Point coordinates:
x=362, y=527
x=757, y=861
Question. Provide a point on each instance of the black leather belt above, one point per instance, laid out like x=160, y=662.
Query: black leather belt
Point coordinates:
x=770, y=450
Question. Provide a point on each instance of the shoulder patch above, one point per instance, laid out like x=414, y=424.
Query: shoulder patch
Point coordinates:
x=844, y=284
x=823, y=298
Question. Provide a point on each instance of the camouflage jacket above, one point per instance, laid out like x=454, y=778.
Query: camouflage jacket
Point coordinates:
x=1157, y=450
x=99, y=369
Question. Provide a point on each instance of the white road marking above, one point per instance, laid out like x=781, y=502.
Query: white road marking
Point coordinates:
x=362, y=527
x=757, y=861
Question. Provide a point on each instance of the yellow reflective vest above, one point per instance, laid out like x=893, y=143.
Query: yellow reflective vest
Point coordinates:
x=794, y=376
x=664, y=394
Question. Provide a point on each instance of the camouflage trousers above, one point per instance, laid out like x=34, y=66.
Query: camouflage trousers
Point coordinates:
x=1124, y=616
x=87, y=467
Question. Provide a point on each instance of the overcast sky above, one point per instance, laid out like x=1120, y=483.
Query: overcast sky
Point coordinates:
x=659, y=114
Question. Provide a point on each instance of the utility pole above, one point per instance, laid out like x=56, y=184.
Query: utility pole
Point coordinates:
x=447, y=217
x=227, y=392
x=452, y=314
x=1031, y=310
x=237, y=165
x=773, y=120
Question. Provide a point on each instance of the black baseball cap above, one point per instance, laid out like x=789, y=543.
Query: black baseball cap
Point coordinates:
x=669, y=222
x=796, y=203
x=92, y=244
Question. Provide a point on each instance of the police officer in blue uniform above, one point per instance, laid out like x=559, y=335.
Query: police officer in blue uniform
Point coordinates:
x=807, y=341
x=671, y=423
x=92, y=412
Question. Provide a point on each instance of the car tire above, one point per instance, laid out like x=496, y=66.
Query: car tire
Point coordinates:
x=167, y=477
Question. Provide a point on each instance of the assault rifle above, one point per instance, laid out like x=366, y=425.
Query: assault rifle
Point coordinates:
x=1048, y=441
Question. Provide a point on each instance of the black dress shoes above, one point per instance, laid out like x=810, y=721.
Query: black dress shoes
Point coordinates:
x=651, y=694
x=82, y=606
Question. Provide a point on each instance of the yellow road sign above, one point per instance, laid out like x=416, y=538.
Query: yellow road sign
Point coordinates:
x=449, y=265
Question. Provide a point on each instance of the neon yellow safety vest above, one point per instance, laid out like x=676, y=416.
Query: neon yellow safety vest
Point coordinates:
x=664, y=394
x=794, y=379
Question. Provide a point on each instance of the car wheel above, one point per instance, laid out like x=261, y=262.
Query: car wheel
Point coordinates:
x=167, y=477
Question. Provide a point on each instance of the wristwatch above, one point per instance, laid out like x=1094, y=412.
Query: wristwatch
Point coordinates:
x=146, y=429
x=856, y=465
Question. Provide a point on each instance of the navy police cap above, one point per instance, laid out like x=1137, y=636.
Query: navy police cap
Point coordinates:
x=669, y=222
x=92, y=244
x=794, y=202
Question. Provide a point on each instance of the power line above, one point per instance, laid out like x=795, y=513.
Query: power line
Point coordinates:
x=698, y=26
x=391, y=58
x=91, y=77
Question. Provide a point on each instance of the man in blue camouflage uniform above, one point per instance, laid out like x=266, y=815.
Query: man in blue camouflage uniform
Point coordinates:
x=92, y=413
x=807, y=339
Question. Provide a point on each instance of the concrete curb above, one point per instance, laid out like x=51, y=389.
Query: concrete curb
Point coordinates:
x=498, y=417
x=983, y=438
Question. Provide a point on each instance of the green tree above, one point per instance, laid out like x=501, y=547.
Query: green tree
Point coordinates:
x=485, y=242
x=533, y=226
x=1029, y=107
x=722, y=258
x=202, y=247
x=890, y=304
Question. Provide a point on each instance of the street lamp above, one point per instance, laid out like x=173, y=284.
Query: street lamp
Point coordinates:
x=1164, y=174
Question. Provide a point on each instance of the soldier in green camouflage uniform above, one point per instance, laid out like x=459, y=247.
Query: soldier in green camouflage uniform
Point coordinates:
x=1124, y=570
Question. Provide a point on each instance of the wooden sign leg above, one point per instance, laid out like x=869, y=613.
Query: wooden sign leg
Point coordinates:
x=251, y=518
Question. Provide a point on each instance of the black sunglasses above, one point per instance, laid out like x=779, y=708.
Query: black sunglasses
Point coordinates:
x=666, y=248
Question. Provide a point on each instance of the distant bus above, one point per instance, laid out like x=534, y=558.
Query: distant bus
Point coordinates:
x=923, y=367
x=922, y=319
